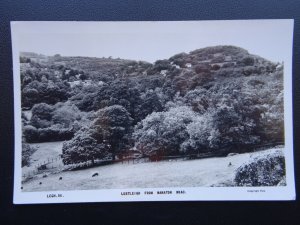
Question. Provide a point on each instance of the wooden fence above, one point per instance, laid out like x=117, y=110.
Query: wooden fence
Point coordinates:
x=48, y=165
x=55, y=164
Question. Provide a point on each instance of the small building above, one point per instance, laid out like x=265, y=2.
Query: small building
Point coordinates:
x=188, y=65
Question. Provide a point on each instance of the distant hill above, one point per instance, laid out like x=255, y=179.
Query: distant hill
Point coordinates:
x=210, y=61
x=214, y=98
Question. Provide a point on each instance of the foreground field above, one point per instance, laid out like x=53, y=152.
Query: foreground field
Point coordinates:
x=190, y=173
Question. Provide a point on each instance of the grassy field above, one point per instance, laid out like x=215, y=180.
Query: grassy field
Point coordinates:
x=189, y=173
x=45, y=151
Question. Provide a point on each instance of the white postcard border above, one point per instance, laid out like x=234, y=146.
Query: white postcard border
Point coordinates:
x=123, y=195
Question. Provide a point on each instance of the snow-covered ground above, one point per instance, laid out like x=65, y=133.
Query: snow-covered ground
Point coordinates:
x=189, y=173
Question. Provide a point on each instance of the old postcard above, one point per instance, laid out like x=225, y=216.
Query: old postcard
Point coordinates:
x=153, y=111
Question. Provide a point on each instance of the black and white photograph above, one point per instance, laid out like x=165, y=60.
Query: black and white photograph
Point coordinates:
x=151, y=111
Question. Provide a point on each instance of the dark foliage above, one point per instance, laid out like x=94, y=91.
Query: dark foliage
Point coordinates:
x=262, y=171
x=208, y=100
x=83, y=148
x=112, y=126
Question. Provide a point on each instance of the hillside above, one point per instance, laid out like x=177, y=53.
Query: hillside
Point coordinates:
x=219, y=98
x=206, y=60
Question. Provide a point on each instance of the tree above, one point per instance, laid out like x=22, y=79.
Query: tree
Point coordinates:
x=162, y=133
x=232, y=131
x=41, y=115
x=66, y=115
x=149, y=103
x=53, y=123
x=268, y=99
x=112, y=126
x=248, y=61
x=48, y=91
x=30, y=96
x=30, y=133
x=199, y=132
x=43, y=111
x=83, y=76
x=27, y=151
x=198, y=100
x=158, y=66
x=82, y=148
x=24, y=60
x=55, y=92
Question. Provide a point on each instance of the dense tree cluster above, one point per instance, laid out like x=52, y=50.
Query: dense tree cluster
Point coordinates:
x=211, y=99
x=40, y=85
x=53, y=123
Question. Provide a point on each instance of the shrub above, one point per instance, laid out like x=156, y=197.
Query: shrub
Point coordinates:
x=266, y=170
x=30, y=96
x=55, y=133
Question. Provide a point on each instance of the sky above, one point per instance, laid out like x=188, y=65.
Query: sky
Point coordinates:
x=150, y=41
